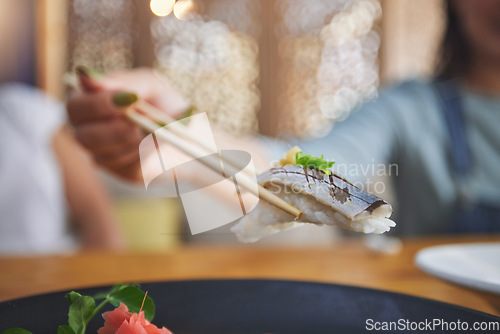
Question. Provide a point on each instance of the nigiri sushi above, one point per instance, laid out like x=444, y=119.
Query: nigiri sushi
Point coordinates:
x=307, y=183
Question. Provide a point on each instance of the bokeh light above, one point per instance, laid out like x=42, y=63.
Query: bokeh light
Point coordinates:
x=101, y=34
x=214, y=65
x=162, y=7
x=183, y=8
x=329, y=51
x=328, y=56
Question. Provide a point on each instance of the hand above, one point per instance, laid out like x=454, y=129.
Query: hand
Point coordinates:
x=96, y=113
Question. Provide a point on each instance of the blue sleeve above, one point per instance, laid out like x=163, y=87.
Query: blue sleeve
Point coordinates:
x=372, y=135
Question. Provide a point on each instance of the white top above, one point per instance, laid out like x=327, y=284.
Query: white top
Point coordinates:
x=32, y=202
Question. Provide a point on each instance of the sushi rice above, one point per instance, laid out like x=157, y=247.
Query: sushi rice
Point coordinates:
x=265, y=219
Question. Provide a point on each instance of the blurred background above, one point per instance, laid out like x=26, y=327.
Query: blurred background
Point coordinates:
x=277, y=67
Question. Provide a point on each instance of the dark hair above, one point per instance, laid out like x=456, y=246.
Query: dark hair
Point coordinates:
x=454, y=53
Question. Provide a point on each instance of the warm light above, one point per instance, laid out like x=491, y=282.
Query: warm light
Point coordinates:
x=182, y=8
x=162, y=7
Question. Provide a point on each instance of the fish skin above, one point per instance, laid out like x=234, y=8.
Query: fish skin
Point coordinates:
x=330, y=190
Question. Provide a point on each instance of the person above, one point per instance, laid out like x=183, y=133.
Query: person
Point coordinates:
x=45, y=178
x=441, y=134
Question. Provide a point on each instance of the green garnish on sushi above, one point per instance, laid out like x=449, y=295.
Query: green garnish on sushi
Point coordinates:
x=310, y=161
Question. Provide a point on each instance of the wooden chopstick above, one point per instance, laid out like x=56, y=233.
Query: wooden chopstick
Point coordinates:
x=176, y=128
x=214, y=164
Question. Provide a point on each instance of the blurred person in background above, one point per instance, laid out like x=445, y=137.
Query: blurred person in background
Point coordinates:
x=442, y=134
x=50, y=198
x=47, y=180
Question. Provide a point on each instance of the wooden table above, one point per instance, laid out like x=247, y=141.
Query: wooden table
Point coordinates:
x=348, y=262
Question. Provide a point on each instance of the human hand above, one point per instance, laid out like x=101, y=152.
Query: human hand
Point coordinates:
x=97, y=114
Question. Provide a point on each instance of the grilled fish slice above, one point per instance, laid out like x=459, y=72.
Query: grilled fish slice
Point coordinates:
x=323, y=199
x=330, y=190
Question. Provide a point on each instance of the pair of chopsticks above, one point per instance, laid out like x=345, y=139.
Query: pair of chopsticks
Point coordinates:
x=194, y=146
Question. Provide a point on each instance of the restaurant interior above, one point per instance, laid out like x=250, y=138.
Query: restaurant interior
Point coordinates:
x=122, y=121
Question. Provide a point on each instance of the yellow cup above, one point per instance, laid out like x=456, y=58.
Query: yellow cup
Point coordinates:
x=152, y=224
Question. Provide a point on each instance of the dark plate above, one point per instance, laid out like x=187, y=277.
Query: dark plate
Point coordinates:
x=254, y=306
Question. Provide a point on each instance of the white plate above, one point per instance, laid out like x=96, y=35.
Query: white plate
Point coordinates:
x=475, y=266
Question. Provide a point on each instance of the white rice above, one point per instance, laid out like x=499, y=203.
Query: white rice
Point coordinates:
x=266, y=219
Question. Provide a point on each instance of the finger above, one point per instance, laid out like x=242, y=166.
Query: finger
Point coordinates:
x=119, y=161
x=151, y=87
x=84, y=107
x=115, y=155
x=107, y=135
x=111, y=150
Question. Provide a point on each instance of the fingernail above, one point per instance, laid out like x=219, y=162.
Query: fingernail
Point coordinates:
x=123, y=99
x=90, y=72
x=185, y=117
